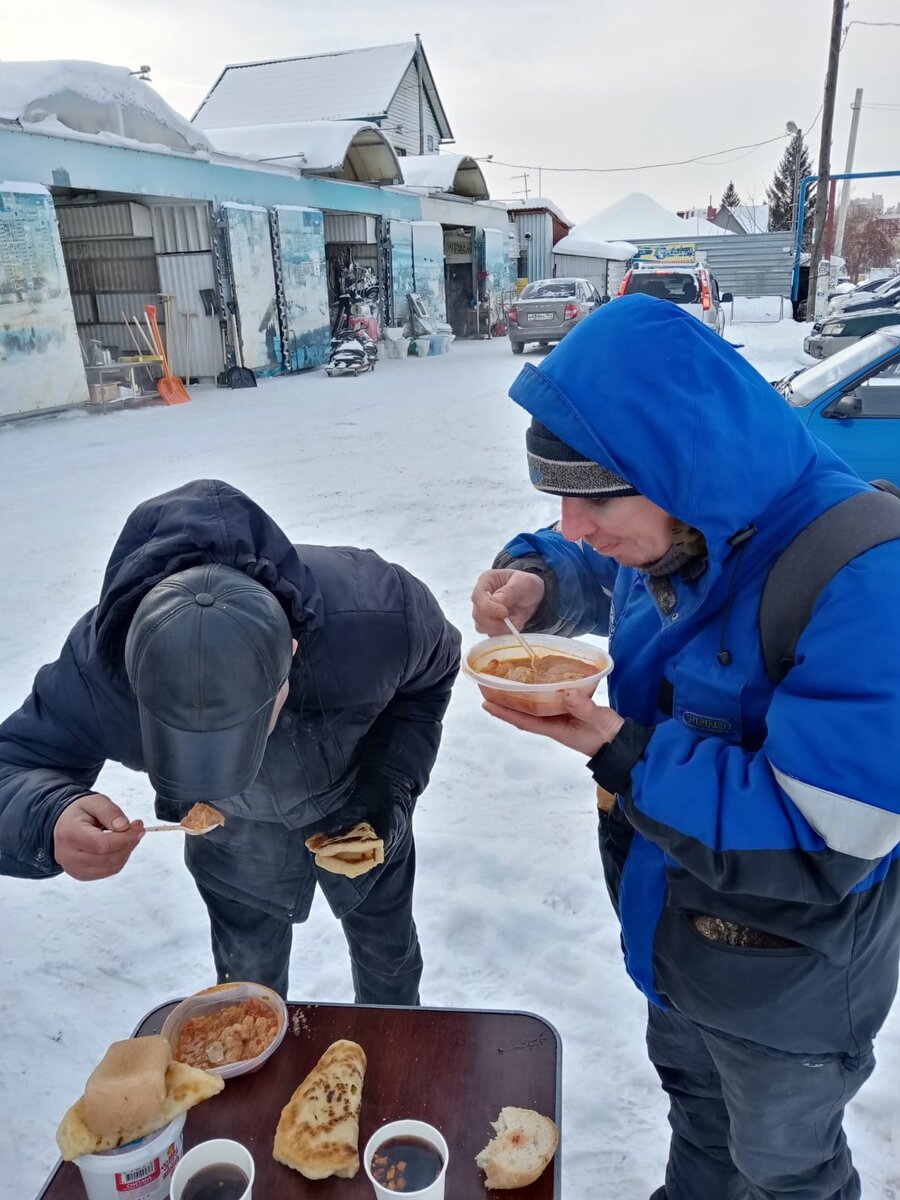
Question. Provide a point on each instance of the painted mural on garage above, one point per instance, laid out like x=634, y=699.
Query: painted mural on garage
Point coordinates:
x=300, y=246
x=40, y=357
x=428, y=267
x=253, y=282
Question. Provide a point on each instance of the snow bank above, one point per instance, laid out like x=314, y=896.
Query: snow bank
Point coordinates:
x=94, y=100
x=588, y=246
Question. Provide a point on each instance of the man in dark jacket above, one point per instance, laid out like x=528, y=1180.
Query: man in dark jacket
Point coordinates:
x=298, y=688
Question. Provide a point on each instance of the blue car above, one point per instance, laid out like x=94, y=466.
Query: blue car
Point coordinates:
x=851, y=401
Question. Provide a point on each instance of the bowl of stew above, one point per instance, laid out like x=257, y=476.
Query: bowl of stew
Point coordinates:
x=506, y=675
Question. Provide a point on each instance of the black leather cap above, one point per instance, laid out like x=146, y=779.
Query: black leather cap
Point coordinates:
x=206, y=654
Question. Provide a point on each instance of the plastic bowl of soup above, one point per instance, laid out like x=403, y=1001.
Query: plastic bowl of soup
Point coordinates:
x=504, y=672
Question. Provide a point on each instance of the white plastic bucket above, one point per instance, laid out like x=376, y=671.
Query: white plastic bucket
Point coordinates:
x=139, y=1171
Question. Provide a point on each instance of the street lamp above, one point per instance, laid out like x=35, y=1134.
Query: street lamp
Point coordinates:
x=795, y=131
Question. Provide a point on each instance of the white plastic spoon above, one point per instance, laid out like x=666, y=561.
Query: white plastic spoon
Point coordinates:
x=526, y=646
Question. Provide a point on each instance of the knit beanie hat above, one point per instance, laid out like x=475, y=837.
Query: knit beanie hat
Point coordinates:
x=556, y=468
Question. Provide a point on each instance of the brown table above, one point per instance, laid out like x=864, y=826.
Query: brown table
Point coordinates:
x=455, y=1068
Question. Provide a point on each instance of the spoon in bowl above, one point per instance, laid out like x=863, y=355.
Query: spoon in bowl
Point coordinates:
x=526, y=646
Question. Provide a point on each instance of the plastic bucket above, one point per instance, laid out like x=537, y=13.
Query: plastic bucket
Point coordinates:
x=141, y=1170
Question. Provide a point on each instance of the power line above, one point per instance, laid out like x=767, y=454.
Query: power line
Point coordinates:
x=699, y=158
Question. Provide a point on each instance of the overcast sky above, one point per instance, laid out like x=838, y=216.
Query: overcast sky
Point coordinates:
x=588, y=83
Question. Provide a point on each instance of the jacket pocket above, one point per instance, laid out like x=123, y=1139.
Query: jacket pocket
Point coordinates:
x=790, y=998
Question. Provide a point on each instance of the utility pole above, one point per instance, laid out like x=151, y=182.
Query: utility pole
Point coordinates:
x=524, y=177
x=845, y=186
x=831, y=75
x=421, y=77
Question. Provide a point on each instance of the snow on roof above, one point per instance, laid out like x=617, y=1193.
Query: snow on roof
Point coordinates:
x=538, y=203
x=639, y=216
x=348, y=85
x=92, y=99
x=357, y=147
x=593, y=247
x=754, y=218
x=457, y=173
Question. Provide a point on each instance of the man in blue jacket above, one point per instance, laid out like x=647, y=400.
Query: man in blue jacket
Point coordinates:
x=300, y=689
x=749, y=831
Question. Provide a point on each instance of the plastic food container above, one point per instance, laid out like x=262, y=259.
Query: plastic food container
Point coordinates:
x=538, y=699
x=141, y=1170
x=215, y=998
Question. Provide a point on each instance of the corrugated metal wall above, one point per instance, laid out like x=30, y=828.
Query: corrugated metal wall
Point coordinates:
x=180, y=228
x=615, y=273
x=757, y=264
x=538, y=248
x=357, y=228
x=103, y=220
x=580, y=267
x=182, y=276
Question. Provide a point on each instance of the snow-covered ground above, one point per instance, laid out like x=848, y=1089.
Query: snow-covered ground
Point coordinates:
x=423, y=461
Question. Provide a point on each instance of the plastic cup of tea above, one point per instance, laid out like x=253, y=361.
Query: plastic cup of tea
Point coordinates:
x=197, y=1169
x=417, y=1144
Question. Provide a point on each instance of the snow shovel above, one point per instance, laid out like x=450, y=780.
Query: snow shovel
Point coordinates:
x=170, y=386
x=239, y=376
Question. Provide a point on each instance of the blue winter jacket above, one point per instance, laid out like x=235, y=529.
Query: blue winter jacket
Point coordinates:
x=356, y=739
x=771, y=807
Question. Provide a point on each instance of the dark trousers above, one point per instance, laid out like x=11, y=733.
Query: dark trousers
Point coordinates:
x=385, y=959
x=749, y=1123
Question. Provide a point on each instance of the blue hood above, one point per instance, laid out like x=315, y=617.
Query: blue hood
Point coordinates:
x=647, y=390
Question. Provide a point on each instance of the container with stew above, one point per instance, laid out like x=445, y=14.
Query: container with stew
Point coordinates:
x=230, y=1029
x=507, y=676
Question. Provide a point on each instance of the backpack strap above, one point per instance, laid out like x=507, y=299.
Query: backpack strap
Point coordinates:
x=816, y=554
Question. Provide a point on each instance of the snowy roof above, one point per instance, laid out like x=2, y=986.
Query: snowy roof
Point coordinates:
x=539, y=204
x=752, y=218
x=456, y=173
x=354, y=150
x=639, y=216
x=593, y=247
x=348, y=85
x=92, y=99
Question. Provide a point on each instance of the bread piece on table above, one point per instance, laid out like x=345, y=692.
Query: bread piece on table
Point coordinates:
x=128, y=1085
x=352, y=853
x=185, y=1087
x=525, y=1143
x=318, y=1130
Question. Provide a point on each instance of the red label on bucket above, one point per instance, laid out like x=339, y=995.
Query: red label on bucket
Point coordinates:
x=130, y=1181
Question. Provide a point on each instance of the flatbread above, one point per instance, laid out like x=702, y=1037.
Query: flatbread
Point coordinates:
x=185, y=1087
x=352, y=853
x=318, y=1130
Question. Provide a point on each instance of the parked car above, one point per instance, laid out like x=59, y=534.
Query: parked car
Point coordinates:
x=839, y=300
x=548, y=309
x=692, y=286
x=844, y=328
x=851, y=401
x=880, y=297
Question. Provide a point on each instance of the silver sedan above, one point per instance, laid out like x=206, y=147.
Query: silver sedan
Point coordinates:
x=548, y=309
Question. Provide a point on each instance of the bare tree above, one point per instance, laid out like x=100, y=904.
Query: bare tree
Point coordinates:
x=869, y=241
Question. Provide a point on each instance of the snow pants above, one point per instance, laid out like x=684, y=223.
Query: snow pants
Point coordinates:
x=752, y=1123
x=385, y=959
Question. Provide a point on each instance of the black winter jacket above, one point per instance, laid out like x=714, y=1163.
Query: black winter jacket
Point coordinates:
x=357, y=737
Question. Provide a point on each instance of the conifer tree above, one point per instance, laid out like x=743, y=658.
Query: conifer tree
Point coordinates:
x=780, y=193
x=730, y=197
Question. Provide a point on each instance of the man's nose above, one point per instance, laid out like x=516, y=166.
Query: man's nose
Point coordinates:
x=576, y=520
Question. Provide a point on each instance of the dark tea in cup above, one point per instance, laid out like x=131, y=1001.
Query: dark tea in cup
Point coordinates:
x=406, y=1164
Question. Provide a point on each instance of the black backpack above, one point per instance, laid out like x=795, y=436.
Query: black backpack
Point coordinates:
x=816, y=554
